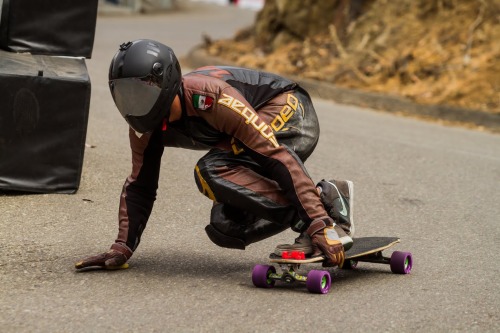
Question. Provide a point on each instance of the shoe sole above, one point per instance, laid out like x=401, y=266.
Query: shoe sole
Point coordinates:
x=350, y=184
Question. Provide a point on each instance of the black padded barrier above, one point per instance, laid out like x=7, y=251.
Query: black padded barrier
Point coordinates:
x=44, y=106
x=48, y=27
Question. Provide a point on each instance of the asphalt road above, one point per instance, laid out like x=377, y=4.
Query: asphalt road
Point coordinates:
x=438, y=188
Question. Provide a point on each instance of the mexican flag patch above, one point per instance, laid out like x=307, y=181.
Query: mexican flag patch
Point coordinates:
x=202, y=102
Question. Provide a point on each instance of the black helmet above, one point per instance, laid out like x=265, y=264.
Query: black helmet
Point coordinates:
x=144, y=78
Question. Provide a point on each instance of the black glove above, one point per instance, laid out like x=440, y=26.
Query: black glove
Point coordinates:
x=115, y=258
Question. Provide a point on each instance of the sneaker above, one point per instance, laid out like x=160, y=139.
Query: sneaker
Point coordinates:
x=337, y=197
x=302, y=243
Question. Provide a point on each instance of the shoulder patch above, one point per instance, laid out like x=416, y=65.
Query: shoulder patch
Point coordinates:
x=202, y=102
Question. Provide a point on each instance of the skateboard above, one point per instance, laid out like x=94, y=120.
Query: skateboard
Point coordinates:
x=364, y=249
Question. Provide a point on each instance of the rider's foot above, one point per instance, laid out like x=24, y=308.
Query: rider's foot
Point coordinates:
x=337, y=197
x=302, y=243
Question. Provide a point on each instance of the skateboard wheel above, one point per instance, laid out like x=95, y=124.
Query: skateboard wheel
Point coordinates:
x=318, y=282
x=260, y=276
x=401, y=262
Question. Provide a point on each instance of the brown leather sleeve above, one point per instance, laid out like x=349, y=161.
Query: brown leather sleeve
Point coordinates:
x=139, y=191
x=233, y=115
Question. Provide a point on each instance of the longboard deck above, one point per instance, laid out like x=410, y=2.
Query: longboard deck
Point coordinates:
x=362, y=246
x=368, y=245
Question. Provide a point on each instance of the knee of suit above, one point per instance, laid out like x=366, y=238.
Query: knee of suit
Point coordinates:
x=202, y=184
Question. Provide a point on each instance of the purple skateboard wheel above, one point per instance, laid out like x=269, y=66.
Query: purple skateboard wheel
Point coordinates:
x=318, y=282
x=401, y=262
x=260, y=276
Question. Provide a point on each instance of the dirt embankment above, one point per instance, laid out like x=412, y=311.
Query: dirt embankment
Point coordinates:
x=432, y=52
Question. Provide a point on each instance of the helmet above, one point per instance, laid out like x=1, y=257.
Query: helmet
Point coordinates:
x=144, y=78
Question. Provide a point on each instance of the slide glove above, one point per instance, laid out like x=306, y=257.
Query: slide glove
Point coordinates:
x=326, y=241
x=115, y=258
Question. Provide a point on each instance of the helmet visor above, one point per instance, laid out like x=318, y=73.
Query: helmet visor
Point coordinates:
x=134, y=96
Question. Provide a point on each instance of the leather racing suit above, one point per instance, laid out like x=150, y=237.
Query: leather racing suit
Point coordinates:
x=259, y=129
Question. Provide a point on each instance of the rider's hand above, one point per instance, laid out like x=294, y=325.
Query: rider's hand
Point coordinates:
x=326, y=241
x=115, y=258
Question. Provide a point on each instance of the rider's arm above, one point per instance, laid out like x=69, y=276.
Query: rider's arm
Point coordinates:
x=139, y=191
x=136, y=201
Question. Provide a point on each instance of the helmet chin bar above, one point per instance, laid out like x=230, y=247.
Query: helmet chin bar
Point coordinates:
x=150, y=121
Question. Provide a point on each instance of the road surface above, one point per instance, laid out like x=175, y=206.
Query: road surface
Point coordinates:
x=437, y=188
